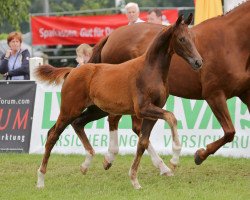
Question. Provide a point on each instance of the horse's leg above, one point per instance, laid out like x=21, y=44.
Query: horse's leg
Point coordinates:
x=143, y=143
x=219, y=107
x=136, y=125
x=90, y=114
x=79, y=129
x=53, y=136
x=245, y=98
x=113, y=141
x=152, y=111
x=156, y=159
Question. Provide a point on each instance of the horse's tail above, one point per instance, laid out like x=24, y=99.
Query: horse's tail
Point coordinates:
x=50, y=74
x=96, y=55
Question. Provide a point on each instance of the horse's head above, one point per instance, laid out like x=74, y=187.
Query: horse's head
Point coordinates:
x=183, y=44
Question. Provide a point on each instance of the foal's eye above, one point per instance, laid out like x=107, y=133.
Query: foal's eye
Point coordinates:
x=182, y=39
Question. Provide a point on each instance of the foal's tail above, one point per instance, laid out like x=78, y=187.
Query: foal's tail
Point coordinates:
x=96, y=55
x=50, y=74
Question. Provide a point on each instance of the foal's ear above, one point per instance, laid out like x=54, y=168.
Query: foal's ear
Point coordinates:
x=189, y=19
x=179, y=20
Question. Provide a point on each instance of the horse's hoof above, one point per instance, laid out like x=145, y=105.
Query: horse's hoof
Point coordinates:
x=39, y=186
x=168, y=173
x=83, y=170
x=173, y=166
x=197, y=158
x=40, y=180
x=137, y=186
x=106, y=164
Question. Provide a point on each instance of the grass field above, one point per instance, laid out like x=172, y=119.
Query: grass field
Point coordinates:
x=217, y=178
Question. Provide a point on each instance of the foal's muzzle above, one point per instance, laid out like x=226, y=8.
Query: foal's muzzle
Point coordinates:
x=198, y=63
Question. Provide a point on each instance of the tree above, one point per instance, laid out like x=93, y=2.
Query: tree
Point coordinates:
x=14, y=12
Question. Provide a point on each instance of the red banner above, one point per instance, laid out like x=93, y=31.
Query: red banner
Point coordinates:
x=72, y=30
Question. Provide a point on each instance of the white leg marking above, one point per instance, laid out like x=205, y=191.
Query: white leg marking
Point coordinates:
x=86, y=164
x=176, y=147
x=134, y=180
x=158, y=162
x=113, y=146
x=40, y=179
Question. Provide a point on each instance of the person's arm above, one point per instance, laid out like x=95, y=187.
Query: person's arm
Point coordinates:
x=24, y=69
x=4, y=64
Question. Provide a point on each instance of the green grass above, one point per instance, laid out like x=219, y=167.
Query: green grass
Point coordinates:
x=217, y=178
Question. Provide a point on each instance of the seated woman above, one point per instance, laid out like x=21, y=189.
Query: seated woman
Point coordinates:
x=14, y=64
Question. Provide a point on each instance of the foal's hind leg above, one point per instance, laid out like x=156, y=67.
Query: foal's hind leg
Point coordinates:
x=113, y=141
x=88, y=148
x=53, y=136
x=90, y=114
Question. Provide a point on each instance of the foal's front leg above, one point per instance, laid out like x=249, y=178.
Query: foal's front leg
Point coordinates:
x=147, y=126
x=114, y=146
x=153, y=112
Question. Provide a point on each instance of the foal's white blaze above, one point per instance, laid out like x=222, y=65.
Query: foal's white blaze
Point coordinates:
x=40, y=179
x=158, y=162
x=113, y=146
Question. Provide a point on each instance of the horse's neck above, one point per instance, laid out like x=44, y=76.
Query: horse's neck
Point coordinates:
x=159, y=53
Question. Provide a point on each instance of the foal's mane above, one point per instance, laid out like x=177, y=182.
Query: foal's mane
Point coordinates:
x=161, y=41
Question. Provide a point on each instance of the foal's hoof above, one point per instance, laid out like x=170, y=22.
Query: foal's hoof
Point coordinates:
x=172, y=166
x=106, y=164
x=197, y=158
x=83, y=170
x=137, y=186
x=168, y=173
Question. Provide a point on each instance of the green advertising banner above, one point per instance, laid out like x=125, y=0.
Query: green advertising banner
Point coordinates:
x=197, y=127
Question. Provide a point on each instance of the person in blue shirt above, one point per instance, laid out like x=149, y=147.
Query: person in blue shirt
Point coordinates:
x=14, y=64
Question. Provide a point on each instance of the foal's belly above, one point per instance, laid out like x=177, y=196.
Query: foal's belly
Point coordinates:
x=114, y=107
x=112, y=96
x=112, y=88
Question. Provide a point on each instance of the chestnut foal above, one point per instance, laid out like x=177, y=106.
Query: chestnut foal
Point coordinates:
x=137, y=87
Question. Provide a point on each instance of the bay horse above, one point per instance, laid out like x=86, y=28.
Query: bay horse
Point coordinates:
x=136, y=87
x=224, y=44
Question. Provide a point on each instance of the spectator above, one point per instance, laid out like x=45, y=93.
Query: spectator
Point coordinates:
x=14, y=63
x=132, y=12
x=155, y=16
x=83, y=53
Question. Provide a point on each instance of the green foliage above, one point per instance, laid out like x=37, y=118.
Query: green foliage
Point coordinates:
x=3, y=36
x=62, y=7
x=217, y=178
x=14, y=12
x=97, y=4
